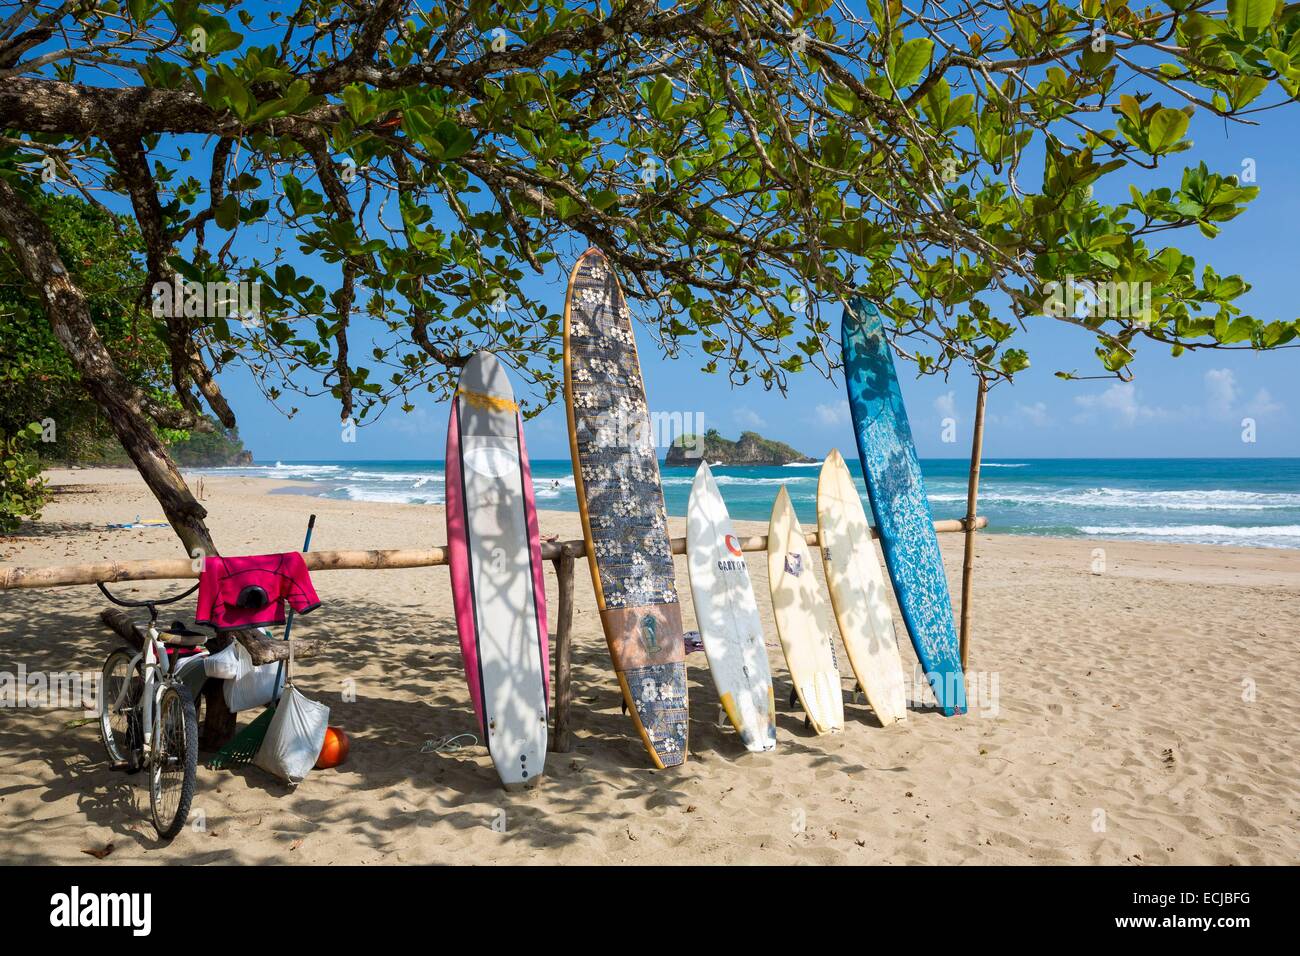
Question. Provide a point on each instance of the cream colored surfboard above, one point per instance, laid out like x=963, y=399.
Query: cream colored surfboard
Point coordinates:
x=802, y=619
x=858, y=594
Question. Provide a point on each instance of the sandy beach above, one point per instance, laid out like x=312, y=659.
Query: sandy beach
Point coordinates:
x=1139, y=715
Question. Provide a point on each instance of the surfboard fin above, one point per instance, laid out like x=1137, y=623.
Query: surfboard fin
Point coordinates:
x=794, y=696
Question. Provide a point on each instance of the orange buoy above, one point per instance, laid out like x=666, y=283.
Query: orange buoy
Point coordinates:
x=335, y=750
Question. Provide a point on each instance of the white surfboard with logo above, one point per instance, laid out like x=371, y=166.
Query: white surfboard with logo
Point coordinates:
x=727, y=614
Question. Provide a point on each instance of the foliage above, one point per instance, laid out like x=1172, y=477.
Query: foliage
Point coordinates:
x=745, y=166
x=209, y=449
x=38, y=382
x=22, y=490
x=750, y=448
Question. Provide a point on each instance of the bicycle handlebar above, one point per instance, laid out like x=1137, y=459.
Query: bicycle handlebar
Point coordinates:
x=151, y=605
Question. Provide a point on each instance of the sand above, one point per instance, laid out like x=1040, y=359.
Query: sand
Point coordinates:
x=1139, y=715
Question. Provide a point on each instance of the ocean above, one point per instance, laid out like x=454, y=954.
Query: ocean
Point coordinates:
x=1246, y=502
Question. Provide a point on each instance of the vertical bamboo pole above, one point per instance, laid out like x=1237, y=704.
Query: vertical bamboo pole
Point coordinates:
x=972, y=496
x=561, y=738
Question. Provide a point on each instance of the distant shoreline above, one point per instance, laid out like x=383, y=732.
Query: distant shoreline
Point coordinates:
x=1231, y=503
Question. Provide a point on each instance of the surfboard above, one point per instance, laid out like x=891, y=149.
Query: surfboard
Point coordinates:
x=857, y=588
x=495, y=556
x=801, y=619
x=621, y=500
x=727, y=614
x=899, y=503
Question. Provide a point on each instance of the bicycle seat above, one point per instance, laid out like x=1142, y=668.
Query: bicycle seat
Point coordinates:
x=176, y=635
x=179, y=640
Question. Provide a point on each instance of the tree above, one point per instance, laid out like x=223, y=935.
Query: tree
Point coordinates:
x=744, y=163
x=38, y=382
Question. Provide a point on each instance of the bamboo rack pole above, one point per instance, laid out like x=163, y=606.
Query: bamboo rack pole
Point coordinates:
x=972, y=496
x=166, y=569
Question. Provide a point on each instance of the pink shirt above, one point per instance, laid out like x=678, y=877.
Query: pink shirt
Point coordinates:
x=283, y=577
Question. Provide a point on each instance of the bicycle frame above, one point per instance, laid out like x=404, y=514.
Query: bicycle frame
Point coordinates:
x=155, y=675
x=156, y=670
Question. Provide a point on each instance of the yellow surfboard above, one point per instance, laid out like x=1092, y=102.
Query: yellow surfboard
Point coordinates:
x=802, y=619
x=858, y=594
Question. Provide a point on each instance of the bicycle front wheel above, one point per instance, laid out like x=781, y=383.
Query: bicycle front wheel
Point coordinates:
x=119, y=699
x=175, y=760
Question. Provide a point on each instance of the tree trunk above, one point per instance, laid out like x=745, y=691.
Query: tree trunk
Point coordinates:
x=218, y=722
x=39, y=261
x=65, y=307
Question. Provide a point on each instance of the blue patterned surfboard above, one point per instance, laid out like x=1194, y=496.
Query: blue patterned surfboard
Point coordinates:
x=899, y=503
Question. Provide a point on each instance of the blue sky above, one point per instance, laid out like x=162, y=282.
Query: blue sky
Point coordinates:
x=1192, y=406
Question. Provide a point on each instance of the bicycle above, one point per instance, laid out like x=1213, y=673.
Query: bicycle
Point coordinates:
x=147, y=717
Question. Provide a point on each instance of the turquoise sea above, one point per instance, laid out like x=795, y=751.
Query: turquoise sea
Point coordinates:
x=1249, y=502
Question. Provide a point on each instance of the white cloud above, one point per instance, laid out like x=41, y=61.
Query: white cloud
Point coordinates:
x=832, y=414
x=946, y=405
x=1035, y=414
x=1120, y=404
x=416, y=422
x=1021, y=416
x=1223, y=398
x=1263, y=404
x=748, y=418
x=1220, y=392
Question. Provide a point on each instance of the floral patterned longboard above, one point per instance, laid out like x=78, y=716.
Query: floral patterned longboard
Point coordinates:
x=622, y=505
x=899, y=503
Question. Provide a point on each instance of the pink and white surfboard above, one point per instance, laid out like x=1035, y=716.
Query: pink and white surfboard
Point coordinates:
x=496, y=570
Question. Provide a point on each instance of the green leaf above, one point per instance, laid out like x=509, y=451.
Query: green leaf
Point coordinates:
x=1246, y=89
x=356, y=100
x=1248, y=18
x=219, y=41
x=660, y=97
x=455, y=139
x=842, y=98
x=603, y=199
x=228, y=213
x=1279, y=61
x=1167, y=128
x=911, y=60
x=1094, y=61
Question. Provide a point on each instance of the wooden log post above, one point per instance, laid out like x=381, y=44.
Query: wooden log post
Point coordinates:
x=117, y=621
x=562, y=736
x=219, y=722
x=972, y=497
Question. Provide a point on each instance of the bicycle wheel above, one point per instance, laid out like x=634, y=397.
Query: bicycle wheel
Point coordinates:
x=175, y=760
x=119, y=700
